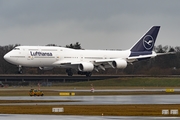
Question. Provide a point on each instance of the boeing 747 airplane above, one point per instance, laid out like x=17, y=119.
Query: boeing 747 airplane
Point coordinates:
x=84, y=61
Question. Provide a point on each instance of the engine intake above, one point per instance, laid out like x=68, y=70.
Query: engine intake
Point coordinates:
x=86, y=67
x=119, y=63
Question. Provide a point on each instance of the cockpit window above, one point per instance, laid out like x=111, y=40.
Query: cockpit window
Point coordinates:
x=16, y=49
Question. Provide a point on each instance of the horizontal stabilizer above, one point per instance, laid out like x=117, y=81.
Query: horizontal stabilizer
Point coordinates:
x=165, y=53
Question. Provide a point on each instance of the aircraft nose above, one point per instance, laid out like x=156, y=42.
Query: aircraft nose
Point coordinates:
x=6, y=57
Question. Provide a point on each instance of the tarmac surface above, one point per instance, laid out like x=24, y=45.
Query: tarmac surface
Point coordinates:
x=69, y=117
x=93, y=100
x=98, y=100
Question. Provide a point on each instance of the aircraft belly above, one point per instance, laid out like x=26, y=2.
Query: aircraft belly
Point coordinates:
x=68, y=66
x=36, y=62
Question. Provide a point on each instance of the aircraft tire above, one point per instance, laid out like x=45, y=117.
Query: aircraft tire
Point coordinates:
x=69, y=72
x=88, y=74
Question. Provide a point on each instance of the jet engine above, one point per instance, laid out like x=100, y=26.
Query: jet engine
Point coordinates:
x=119, y=63
x=46, y=68
x=85, y=67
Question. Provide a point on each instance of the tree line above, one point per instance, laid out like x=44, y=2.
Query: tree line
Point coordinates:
x=160, y=65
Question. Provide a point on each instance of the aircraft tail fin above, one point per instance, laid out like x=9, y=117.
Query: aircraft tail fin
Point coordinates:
x=145, y=45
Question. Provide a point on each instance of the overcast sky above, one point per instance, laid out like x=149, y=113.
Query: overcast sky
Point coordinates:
x=95, y=24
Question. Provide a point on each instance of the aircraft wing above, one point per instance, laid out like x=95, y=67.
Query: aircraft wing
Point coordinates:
x=110, y=63
x=79, y=62
x=99, y=64
x=113, y=63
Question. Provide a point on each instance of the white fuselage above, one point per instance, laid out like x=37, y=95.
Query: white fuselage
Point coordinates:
x=48, y=56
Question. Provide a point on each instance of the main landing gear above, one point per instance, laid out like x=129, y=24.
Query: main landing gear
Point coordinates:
x=88, y=74
x=70, y=73
x=20, y=71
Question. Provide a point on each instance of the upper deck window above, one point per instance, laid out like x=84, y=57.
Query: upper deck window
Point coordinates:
x=16, y=49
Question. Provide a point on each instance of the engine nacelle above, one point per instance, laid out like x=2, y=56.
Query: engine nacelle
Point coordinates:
x=119, y=63
x=46, y=68
x=86, y=67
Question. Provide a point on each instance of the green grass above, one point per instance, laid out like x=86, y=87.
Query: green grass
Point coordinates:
x=130, y=82
x=118, y=83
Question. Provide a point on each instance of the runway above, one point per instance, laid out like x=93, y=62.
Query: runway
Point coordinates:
x=91, y=100
x=69, y=117
x=98, y=100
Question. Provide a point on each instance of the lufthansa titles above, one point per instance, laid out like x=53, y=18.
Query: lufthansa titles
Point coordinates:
x=41, y=53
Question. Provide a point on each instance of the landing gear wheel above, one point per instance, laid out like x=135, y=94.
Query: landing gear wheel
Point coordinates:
x=88, y=74
x=69, y=72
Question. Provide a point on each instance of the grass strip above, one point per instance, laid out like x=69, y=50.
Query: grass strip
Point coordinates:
x=107, y=110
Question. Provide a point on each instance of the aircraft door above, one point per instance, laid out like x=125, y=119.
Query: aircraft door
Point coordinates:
x=81, y=57
x=105, y=57
x=30, y=55
x=59, y=55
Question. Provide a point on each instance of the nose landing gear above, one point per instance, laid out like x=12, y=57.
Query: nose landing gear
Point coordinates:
x=20, y=71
